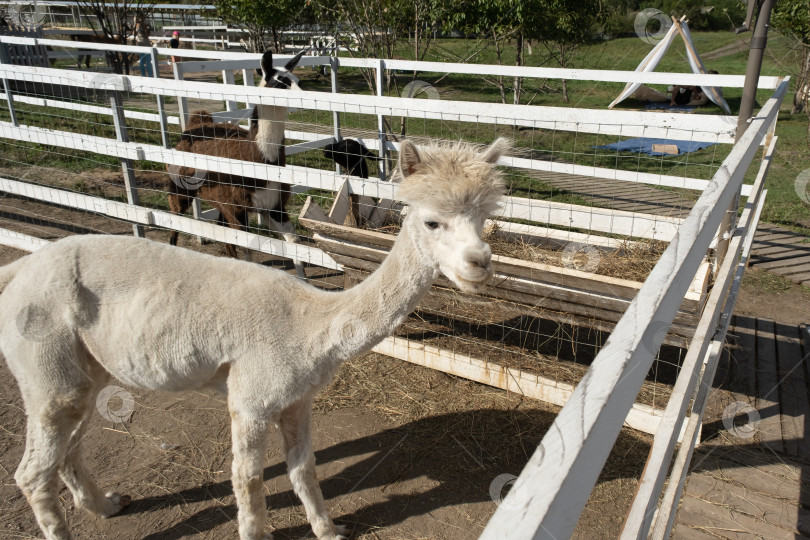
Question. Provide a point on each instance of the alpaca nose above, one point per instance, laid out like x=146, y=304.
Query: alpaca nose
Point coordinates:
x=478, y=257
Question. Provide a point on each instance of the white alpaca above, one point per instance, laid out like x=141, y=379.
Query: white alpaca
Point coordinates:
x=84, y=308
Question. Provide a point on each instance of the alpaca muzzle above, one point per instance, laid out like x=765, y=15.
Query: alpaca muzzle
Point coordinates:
x=477, y=267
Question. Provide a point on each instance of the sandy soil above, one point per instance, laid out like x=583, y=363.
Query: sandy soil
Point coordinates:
x=403, y=451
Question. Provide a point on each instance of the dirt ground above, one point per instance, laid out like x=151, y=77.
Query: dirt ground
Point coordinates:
x=403, y=451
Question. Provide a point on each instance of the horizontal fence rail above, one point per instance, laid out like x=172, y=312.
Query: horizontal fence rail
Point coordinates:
x=654, y=179
x=730, y=81
x=547, y=499
x=703, y=128
x=146, y=216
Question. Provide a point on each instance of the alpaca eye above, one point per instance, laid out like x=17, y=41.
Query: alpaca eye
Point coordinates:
x=432, y=225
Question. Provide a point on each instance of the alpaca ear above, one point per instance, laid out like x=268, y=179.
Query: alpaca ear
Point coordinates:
x=289, y=66
x=496, y=150
x=408, y=158
x=267, y=63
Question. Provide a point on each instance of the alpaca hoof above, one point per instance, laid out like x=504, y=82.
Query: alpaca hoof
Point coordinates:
x=267, y=536
x=115, y=503
x=340, y=533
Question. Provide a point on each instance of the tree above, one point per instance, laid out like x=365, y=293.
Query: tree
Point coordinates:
x=260, y=17
x=792, y=19
x=375, y=29
x=497, y=22
x=562, y=26
x=115, y=22
x=365, y=29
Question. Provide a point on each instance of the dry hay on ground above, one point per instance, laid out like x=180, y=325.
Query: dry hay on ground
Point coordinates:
x=631, y=260
x=403, y=452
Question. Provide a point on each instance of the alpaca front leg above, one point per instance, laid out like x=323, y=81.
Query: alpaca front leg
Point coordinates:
x=77, y=478
x=295, y=423
x=249, y=436
x=287, y=231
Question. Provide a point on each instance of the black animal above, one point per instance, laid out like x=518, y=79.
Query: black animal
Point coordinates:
x=351, y=155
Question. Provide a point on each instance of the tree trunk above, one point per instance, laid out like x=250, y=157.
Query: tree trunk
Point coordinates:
x=416, y=33
x=802, y=95
x=501, y=87
x=276, y=43
x=563, y=63
x=518, y=62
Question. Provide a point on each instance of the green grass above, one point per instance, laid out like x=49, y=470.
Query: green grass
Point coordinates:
x=767, y=282
x=783, y=206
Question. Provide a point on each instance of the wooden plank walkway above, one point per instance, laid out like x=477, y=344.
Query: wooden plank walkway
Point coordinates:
x=750, y=478
x=783, y=252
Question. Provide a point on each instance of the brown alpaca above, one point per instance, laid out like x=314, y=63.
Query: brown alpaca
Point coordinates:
x=231, y=194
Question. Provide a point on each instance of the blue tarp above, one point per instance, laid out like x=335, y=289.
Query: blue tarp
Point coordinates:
x=644, y=146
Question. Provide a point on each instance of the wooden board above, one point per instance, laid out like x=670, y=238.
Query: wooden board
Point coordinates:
x=775, y=511
x=795, y=405
x=553, y=238
x=770, y=428
x=641, y=417
x=725, y=522
x=549, y=274
x=507, y=287
x=666, y=149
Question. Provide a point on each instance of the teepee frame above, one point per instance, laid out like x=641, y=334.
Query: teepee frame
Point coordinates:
x=651, y=61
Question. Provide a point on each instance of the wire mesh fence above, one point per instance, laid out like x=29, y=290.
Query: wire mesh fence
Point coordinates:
x=582, y=226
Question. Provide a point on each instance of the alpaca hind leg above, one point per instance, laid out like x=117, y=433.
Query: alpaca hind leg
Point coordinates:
x=249, y=436
x=178, y=204
x=296, y=436
x=75, y=475
x=235, y=219
x=48, y=436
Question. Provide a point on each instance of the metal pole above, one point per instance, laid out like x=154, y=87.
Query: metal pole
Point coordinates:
x=381, y=121
x=333, y=67
x=126, y=163
x=7, y=87
x=757, y=50
x=164, y=124
x=749, y=97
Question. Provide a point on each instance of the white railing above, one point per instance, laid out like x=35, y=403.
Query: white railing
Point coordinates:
x=548, y=497
x=550, y=494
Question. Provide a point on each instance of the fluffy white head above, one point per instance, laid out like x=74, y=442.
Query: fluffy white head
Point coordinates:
x=451, y=190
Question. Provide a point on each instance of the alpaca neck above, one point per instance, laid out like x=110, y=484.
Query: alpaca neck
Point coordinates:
x=269, y=131
x=381, y=302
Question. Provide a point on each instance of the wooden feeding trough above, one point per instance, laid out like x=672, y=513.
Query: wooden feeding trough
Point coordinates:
x=520, y=287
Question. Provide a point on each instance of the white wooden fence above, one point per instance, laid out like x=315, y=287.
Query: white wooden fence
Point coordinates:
x=548, y=497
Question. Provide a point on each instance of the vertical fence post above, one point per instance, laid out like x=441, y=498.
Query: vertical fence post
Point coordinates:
x=247, y=80
x=381, y=122
x=333, y=67
x=182, y=102
x=126, y=163
x=182, y=107
x=164, y=124
x=4, y=59
x=228, y=78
